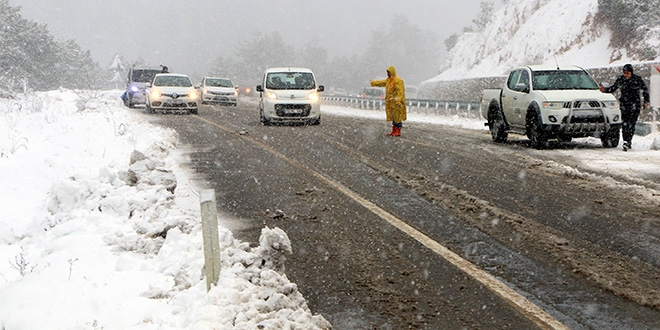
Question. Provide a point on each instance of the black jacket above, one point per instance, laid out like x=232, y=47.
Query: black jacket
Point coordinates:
x=630, y=89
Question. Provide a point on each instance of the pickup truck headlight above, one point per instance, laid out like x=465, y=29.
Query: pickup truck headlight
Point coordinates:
x=611, y=104
x=553, y=105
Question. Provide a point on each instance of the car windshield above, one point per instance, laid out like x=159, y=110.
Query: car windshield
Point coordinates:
x=219, y=83
x=172, y=81
x=290, y=80
x=141, y=75
x=562, y=79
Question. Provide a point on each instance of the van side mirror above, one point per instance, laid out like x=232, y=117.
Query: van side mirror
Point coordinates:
x=321, y=88
x=259, y=88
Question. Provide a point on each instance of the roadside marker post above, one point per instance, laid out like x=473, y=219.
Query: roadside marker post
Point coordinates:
x=210, y=237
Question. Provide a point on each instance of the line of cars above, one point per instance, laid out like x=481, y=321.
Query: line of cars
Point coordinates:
x=286, y=94
x=159, y=90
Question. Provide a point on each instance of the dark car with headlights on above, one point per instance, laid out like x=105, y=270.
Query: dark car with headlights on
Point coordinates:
x=136, y=85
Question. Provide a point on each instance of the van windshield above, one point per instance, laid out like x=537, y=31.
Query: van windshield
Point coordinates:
x=290, y=80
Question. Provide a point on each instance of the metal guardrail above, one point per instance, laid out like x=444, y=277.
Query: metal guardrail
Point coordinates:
x=465, y=109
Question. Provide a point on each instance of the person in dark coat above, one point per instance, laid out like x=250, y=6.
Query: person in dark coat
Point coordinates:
x=630, y=102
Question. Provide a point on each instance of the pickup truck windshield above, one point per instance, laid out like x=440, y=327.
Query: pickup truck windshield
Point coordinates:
x=558, y=80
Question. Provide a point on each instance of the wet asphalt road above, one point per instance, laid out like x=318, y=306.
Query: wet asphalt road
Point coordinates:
x=555, y=240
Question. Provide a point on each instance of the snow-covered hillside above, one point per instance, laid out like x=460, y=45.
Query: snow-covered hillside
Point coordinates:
x=535, y=32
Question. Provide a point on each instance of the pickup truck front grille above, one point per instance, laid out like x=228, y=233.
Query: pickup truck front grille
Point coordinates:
x=585, y=116
x=584, y=104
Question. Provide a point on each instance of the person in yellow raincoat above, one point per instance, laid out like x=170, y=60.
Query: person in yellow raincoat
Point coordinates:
x=395, y=100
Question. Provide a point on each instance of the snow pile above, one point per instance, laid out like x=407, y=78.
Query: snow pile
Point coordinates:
x=525, y=32
x=99, y=229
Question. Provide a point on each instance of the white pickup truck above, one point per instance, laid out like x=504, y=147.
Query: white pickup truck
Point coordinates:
x=546, y=102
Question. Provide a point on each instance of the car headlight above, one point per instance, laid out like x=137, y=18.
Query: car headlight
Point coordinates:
x=271, y=95
x=135, y=88
x=553, y=105
x=193, y=95
x=313, y=96
x=154, y=94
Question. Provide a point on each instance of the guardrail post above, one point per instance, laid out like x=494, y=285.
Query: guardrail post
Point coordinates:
x=210, y=237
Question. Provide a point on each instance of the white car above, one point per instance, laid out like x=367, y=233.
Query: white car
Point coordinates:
x=172, y=92
x=218, y=90
x=289, y=95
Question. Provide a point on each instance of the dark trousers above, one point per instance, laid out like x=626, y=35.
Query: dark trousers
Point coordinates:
x=629, y=115
x=399, y=125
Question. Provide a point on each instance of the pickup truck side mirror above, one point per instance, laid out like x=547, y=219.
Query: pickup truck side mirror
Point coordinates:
x=259, y=88
x=321, y=88
x=520, y=87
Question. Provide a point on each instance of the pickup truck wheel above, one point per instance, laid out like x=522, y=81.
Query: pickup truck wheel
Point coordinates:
x=535, y=132
x=496, y=126
x=610, y=139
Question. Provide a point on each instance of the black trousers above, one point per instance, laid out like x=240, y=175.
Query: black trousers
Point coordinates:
x=629, y=115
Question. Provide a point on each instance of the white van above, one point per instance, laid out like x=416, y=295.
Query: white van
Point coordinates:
x=289, y=95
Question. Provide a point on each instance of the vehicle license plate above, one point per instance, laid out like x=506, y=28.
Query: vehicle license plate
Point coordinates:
x=293, y=111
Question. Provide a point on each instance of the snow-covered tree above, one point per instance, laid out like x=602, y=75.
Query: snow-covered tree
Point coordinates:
x=485, y=15
x=30, y=55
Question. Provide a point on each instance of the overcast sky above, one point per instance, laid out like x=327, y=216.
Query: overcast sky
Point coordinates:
x=188, y=35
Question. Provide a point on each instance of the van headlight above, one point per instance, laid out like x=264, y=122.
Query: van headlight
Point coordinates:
x=313, y=96
x=271, y=95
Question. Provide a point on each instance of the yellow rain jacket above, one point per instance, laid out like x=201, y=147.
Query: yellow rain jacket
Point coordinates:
x=395, y=96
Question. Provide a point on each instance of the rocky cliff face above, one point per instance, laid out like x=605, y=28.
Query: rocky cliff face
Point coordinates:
x=531, y=32
x=524, y=32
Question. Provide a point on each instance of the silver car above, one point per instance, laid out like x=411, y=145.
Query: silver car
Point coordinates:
x=219, y=91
